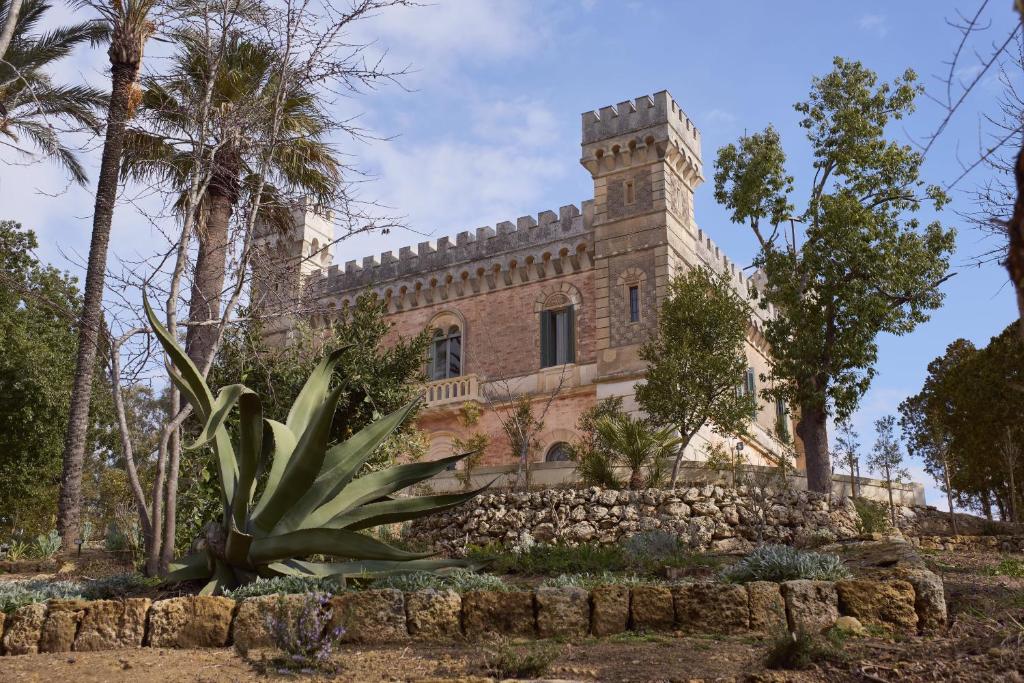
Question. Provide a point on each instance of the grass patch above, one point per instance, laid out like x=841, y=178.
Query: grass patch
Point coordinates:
x=504, y=659
x=589, y=581
x=779, y=563
x=1009, y=566
x=800, y=650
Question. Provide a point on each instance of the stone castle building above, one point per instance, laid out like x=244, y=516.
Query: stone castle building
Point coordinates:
x=557, y=301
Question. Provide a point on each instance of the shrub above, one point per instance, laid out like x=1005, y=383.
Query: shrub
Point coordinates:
x=589, y=581
x=284, y=585
x=505, y=659
x=872, y=516
x=458, y=580
x=656, y=544
x=304, y=636
x=783, y=563
x=15, y=594
x=16, y=550
x=1008, y=567
x=118, y=586
x=46, y=546
x=794, y=651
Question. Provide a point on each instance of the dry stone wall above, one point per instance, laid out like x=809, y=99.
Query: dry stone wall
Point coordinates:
x=709, y=518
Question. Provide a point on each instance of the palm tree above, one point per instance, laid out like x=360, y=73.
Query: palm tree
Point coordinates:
x=30, y=102
x=234, y=140
x=636, y=445
x=128, y=24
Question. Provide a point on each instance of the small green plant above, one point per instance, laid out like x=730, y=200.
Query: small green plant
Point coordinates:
x=118, y=586
x=589, y=581
x=553, y=559
x=458, y=580
x=17, y=550
x=872, y=517
x=305, y=636
x=475, y=444
x=505, y=659
x=1008, y=567
x=15, y=594
x=796, y=651
x=782, y=563
x=656, y=544
x=285, y=585
x=46, y=546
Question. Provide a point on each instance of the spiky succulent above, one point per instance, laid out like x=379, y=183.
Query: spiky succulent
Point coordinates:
x=312, y=502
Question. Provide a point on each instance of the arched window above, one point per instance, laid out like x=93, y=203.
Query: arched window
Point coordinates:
x=446, y=354
x=558, y=453
x=557, y=332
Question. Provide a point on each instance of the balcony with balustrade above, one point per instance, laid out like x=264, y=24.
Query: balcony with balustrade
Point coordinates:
x=453, y=390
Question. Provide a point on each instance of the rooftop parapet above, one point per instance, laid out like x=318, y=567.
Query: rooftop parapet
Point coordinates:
x=633, y=116
x=444, y=253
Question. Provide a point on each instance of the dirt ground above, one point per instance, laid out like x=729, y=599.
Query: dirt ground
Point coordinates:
x=985, y=642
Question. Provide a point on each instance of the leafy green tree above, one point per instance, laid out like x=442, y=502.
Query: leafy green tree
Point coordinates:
x=374, y=380
x=696, y=360
x=847, y=450
x=39, y=305
x=30, y=102
x=635, y=444
x=594, y=463
x=860, y=265
x=886, y=459
x=474, y=442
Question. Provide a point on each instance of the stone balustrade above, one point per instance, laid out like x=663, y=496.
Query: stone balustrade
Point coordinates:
x=456, y=390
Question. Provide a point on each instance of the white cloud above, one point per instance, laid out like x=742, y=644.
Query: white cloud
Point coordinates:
x=877, y=24
x=719, y=117
x=522, y=121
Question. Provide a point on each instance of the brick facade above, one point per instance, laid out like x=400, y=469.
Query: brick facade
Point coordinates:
x=494, y=284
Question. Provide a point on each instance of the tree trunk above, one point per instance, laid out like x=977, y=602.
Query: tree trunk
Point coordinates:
x=892, y=505
x=1015, y=238
x=853, y=478
x=636, y=479
x=69, y=510
x=813, y=433
x=949, y=496
x=208, y=283
x=986, y=505
x=7, y=33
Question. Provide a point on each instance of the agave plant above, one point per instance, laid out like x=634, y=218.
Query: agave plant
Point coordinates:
x=312, y=502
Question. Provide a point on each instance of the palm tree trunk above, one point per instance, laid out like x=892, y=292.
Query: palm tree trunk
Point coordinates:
x=9, y=23
x=813, y=433
x=69, y=510
x=208, y=283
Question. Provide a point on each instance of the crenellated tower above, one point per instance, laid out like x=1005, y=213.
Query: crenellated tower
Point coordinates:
x=645, y=158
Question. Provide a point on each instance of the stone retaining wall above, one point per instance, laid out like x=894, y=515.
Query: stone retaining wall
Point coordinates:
x=708, y=518
x=1003, y=543
x=386, y=616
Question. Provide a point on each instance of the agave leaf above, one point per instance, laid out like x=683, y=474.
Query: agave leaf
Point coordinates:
x=303, y=465
x=390, y=511
x=236, y=550
x=223, y=579
x=347, y=458
x=227, y=467
x=182, y=386
x=313, y=392
x=281, y=440
x=219, y=411
x=376, y=485
x=250, y=446
x=337, y=542
x=365, y=567
x=189, y=568
x=189, y=373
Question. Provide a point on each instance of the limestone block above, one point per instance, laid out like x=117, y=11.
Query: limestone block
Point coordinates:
x=929, y=600
x=23, y=629
x=61, y=625
x=375, y=616
x=434, y=615
x=112, y=624
x=811, y=606
x=563, y=612
x=889, y=604
x=191, y=622
x=767, y=608
x=610, y=611
x=509, y=613
x=712, y=608
x=651, y=608
x=491, y=612
x=250, y=625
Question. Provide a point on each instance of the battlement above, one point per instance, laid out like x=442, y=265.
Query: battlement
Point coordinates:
x=716, y=259
x=634, y=116
x=482, y=244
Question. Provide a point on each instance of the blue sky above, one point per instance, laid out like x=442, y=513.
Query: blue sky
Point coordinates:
x=487, y=128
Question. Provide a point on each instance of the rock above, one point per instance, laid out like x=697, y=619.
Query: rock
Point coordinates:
x=194, y=621
x=563, y=612
x=700, y=530
x=61, y=625
x=373, y=616
x=731, y=546
x=929, y=598
x=608, y=497
x=434, y=615
x=610, y=610
x=544, y=532
x=767, y=608
x=850, y=625
x=23, y=629
x=112, y=624
x=250, y=629
x=705, y=508
x=675, y=509
x=811, y=606
x=582, y=531
x=888, y=604
x=651, y=608
x=491, y=612
x=712, y=608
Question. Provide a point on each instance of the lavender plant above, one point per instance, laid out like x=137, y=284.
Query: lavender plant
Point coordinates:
x=304, y=635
